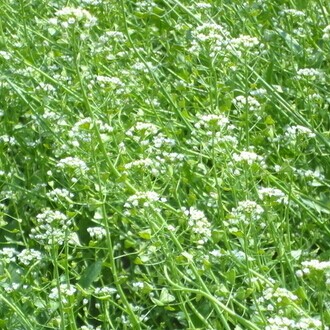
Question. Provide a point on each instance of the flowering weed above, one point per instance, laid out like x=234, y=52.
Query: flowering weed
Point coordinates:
x=164, y=165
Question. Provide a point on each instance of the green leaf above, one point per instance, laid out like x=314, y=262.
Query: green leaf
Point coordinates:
x=90, y=274
x=291, y=42
x=164, y=299
x=145, y=234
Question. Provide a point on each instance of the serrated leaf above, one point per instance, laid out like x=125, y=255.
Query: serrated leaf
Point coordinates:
x=90, y=274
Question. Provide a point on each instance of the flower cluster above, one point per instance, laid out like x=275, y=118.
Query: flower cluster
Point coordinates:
x=143, y=199
x=212, y=131
x=211, y=122
x=310, y=73
x=58, y=194
x=214, y=35
x=66, y=291
x=278, y=297
x=97, y=233
x=198, y=225
x=141, y=132
x=248, y=157
x=69, y=16
x=292, y=132
x=315, y=264
x=51, y=227
x=272, y=194
x=8, y=254
x=242, y=44
x=246, y=102
x=78, y=165
x=105, y=291
x=29, y=256
x=245, y=214
x=283, y=323
x=326, y=33
x=81, y=131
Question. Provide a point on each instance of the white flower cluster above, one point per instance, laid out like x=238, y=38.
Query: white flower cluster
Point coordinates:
x=112, y=35
x=277, y=295
x=74, y=163
x=326, y=33
x=284, y=323
x=58, y=194
x=273, y=194
x=240, y=255
x=155, y=165
x=315, y=265
x=218, y=40
x=28, y=256
x=211, y=121
x=246, y=212
x=210, y=33
x=143, y=199
x=212, y=131
x=92, y=2
x=114, y=82
x=5, y=55
x=202, y=5
x=313, y=178
x=292, y=12
x=105, y=291
x=89, y=327
x=292, y=132
x=66, y=290
x=81, y=131
x=97, y=233
x=69, y=16
x=248, y=157
x=142, y=132
x=161, y=140
x=310, y=73
x=242, y=102
x=51, y=115
x=198, y=225
x=48, y=88
x=244, y=42
x=173, y=157
x=8, y=255
x=51, y=227
x=145, y=5
x=6, y=139
x=143, y=67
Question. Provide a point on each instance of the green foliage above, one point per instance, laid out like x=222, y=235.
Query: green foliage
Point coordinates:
x=164, y=164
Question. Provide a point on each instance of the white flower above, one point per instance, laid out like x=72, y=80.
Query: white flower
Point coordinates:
x=105, y=291
x=28, y=256
x=326, y=33
x=241, y=102
x=69, y=15
x=310, y=73
x=316, y=264
x=8, y=255
x=72, y=162
x=97, y=232
x=248, y=157
x=279, y=195
x=66, y=290
x=198, y=225
x=144, y=199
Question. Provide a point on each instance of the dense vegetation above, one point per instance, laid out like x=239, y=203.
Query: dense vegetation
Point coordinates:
x=164, y=164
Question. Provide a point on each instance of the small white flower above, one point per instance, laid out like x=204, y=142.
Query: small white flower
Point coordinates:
x=97, y=233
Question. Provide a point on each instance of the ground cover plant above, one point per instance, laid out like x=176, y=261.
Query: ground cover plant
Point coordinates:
x=164, y=164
